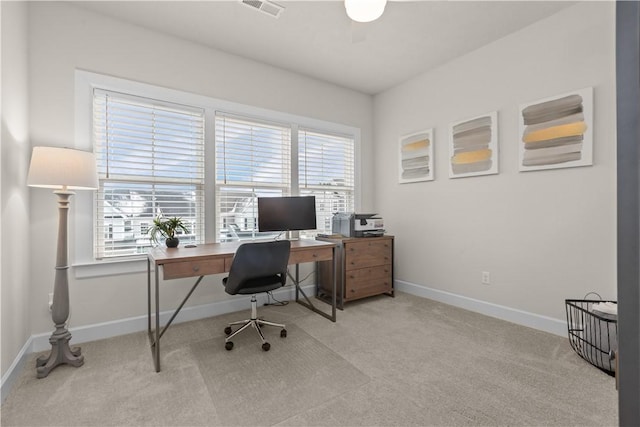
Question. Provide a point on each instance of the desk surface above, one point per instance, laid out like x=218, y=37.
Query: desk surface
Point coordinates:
x=161, y=255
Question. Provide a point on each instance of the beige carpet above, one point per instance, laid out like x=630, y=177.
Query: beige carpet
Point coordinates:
x=292, y=377
x=387, y=361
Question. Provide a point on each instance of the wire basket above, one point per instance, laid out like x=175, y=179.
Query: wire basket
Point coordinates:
x=594, y=336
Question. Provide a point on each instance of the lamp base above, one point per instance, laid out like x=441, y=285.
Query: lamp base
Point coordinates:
x=60, y=354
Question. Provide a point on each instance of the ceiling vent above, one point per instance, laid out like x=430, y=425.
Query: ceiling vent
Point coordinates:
x=265, y=6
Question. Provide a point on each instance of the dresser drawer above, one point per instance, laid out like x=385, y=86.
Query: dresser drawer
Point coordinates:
x=176, y=270
x=367, y=253
x=369, y=273
x=356, y=289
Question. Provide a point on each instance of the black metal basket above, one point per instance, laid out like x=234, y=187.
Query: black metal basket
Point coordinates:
x=592, y=335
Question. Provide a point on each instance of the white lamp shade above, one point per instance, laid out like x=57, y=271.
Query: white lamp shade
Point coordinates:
x=364, y=10
x=54, y=167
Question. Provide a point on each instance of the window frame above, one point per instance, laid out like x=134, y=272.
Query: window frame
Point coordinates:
x=157, y=117
x=306, y=188
x=83, y=207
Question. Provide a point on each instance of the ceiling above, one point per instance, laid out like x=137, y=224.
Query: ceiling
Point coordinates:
x=317, y=39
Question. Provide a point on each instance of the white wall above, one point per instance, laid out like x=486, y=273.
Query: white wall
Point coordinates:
x=15, y=155
x=62, y=38
x=544, y=236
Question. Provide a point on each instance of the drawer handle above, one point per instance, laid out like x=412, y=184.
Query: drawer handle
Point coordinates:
x=352, y=277
x=196, y=268
x=315, y=255
x=353, y=291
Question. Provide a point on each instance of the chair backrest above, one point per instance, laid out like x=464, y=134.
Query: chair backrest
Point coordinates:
x=255, y=261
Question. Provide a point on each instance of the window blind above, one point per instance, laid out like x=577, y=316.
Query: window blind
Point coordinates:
x=150, y=160
x=326, y=170
x=253, y=159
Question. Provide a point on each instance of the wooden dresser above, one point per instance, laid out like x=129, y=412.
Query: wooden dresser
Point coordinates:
x=365, y=268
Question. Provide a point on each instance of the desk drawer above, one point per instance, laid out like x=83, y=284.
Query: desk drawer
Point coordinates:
x=308, y=255
x=177, y=270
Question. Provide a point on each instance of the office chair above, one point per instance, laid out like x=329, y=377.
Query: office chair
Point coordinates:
x=256, y=267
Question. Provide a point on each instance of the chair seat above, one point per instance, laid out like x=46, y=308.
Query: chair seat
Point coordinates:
x=257, y=285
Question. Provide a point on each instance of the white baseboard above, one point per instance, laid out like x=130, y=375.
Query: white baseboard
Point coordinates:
x=40, y=342
x=531, y=320
x=130, y=325
x=10, y=377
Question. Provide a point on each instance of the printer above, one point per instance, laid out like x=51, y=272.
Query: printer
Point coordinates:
x=350, y=224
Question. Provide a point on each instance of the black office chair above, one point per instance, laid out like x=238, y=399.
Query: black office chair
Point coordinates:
x=257, y=267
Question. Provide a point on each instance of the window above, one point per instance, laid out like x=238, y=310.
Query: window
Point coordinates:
x=253, y=159
x=205, y=160
x=150, y=158
x=326, y=170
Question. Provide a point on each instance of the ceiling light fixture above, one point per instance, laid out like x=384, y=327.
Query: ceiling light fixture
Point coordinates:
x=364, y=10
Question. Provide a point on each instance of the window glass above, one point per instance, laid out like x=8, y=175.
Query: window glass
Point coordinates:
x=253, y=159
x=150, y=159
x=326, y=171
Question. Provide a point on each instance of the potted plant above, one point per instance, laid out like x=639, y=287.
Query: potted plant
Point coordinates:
x=167, y=228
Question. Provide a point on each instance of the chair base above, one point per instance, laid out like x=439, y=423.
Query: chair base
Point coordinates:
x=257, y=325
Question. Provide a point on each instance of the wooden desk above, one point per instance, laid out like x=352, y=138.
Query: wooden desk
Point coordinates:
x=216, y=258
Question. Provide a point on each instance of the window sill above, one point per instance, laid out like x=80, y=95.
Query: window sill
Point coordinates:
x=109, y=268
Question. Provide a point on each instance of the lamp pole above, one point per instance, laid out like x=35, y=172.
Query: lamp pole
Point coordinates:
x=64, y=170
x=60, y=353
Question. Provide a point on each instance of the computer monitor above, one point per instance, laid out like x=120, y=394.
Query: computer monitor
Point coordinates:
x=286, y=213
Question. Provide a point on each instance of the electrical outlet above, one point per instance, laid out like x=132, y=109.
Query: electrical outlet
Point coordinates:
x=486, y=278
x=50, y=302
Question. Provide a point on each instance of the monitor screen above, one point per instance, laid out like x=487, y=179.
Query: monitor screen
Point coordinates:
x=286, y=213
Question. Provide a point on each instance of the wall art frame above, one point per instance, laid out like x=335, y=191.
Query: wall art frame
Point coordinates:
x=416, y=157
x=473, y=146
x=556, y=132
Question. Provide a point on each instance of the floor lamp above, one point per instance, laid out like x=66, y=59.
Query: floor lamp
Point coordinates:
x=62, y=169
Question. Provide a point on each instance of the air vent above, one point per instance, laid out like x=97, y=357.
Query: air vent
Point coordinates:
x=265, y=6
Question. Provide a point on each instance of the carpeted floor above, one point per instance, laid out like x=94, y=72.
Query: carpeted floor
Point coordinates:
x=400, y=361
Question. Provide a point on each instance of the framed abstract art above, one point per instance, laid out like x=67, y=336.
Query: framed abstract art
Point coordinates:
x=416, y=157
x=473, y=146
x=557, y=132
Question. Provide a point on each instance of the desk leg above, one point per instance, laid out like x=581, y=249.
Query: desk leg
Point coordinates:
x=307, y=302
x=149, y=297
x=296, y=282
x=156, y=355
x=335, y=288
x=153, y=335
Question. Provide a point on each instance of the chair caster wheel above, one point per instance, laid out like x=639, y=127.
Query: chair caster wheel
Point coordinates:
x=283, y=333
x=228, y=345
x=227, y=330
x=266, y=346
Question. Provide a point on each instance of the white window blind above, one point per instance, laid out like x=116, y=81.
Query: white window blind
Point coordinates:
x=253, y=159
x=150, y=157
x=326, y=170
